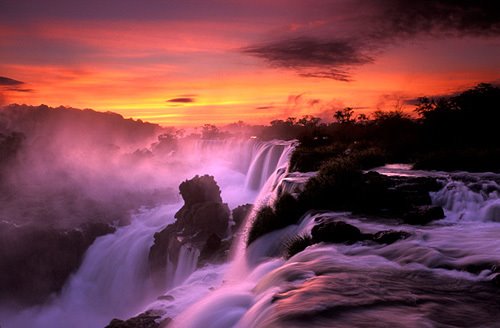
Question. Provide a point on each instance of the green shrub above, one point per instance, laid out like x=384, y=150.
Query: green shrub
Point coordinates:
x=310, y=158
x=264, y=222
x=287, y=211
x=297, y=244
x=334, y=185
x=368, y=158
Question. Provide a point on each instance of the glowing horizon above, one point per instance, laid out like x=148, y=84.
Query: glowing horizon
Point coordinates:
x=189, y=63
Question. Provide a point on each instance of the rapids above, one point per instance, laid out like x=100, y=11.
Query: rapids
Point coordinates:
x=438, y=277
x=113, y=279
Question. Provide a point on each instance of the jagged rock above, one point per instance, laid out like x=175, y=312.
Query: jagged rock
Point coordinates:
x=389, y=236
x=202, y=223
x=339, y=232
x=200, y=190
x=36, y=262
x=423, y=214
x=148, y=319
x=240, y=214
x=211, y=249
x=336, y=232
x=208, y=218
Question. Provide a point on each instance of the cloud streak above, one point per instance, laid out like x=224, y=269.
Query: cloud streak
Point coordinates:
x=182, y=100
x=333, y=56
x=378, y=25
x=5, y=81
x=8, y=84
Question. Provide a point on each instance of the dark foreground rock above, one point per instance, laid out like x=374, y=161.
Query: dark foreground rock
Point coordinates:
x=333, y=231
x=201, y=227
x=36, y=262
x=389, y=236
x=336, y=232
x=339, y=232
x=240, y=214
x=424, y=214
x=342, y=187
x=147, y=319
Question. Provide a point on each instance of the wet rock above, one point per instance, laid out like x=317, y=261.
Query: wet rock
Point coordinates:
x=336, y=232
x=148, y=319
x=389, y=236
x=240, y=214
x=201, y=225
x=200, y=189
x=496, y=280
x=422, y=215
x=211, y=251
x=36, y=262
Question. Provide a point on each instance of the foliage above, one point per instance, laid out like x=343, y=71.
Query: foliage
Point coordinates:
x=344, y=116
x=297, y=244
x=286, y=211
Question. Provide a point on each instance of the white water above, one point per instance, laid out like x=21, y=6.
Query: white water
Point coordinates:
x=434, y=258
x=112, y=281
x=113, y=278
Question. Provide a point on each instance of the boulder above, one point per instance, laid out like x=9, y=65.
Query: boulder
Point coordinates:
x=421, y=215
x=200, y=190
x=148, y=319
x=389, y=236
x=336, y=232
x=240, y=214
x=36, y=261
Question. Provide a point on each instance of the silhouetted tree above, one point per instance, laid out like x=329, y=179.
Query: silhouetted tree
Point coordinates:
x=344, y=116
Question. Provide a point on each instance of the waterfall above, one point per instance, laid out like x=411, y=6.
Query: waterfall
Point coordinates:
x=454, y=256
x=188, y=258
x=470, y=201
x=113, y=281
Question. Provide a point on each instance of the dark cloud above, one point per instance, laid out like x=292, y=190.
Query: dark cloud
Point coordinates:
x=9, y=84
x=5, y=81
x=182, y=100
x=372, y=28
x=264, y=107
x=19, y=90
x=307, y=54
x=449, y=17
x=329, y=73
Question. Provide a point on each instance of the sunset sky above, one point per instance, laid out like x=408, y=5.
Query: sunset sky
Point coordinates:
x=190, y=62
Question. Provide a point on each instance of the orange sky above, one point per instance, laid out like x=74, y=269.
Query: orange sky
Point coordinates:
x=133, y=61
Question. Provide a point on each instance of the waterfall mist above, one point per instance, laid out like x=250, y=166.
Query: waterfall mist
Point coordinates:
x=113, y=278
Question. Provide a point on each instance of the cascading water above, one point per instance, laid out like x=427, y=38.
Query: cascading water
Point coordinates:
x=436, y=277
x=113, y=278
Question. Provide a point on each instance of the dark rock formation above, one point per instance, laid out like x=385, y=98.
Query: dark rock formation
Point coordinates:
x=336, y=232
x=331, y=231
x=36, y=262
x=147, y=319
x=423, y=214
x=240, y=214
x=389, y=236
x=201, y=225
